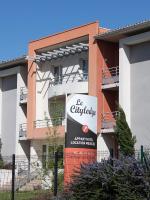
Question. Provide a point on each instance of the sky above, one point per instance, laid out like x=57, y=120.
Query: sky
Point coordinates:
x=22, y=21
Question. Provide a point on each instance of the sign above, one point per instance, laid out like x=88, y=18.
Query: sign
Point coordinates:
x=81, y=121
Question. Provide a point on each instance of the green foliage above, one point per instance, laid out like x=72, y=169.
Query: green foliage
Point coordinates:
x=126, y=179
x=60, y=183
x=1, y=159
x=57, y=110
x=55, y=142
x=1, y=163
x=27, y=195
x=125, y=139
x=49, y=160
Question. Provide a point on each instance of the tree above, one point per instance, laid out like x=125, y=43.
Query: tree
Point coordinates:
x=57, y=115
x=126, y=179
x=1, y=159
x=55, y=143
x=0, y=148
x=125, y=139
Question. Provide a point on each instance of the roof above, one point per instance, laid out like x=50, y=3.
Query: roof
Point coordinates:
x=14, y=62
x=129, y=30
x=77, y=27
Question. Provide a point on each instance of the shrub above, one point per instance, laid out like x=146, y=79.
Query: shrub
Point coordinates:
x=126, y=179
x=125, y=139
x=1, y=163
x=4, y=165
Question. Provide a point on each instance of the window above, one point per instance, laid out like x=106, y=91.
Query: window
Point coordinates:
x=84, y=68
x=57, y=75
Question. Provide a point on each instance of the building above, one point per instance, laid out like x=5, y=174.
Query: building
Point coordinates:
x=128, y=48
x=112, y=65
x=59, y=65
x=13, y=106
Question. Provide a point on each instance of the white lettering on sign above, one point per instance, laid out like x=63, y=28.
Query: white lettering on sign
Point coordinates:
x=83, y=110
x=83, y=141
x=78, y=108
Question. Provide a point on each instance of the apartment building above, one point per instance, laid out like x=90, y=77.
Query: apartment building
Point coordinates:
x=13, y=106
x=59, y=65
x=112, y=65
x=128, y=48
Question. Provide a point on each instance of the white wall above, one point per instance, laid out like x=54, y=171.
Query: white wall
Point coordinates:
x=4, y=73
x=9, y=96
x=0, y=107
x=134, y=93
x=105, y=142
x=36, y=151
x=44, y=72
x=140, y=93
x=19, y=116
x=124, y=80
x=36, y=147
x=5, y=178
x=22, y=148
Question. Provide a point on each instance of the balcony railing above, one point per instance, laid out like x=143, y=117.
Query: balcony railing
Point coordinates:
x=23, y=94
x=69, y=78
x=59, y=121
x=22, y=130
x=109, y=119
x=110, y=75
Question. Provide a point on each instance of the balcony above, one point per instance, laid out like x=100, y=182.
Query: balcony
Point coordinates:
x=23, y=95
x=110, y=78
x=109, y=121
x=74, y=82
x=22, y=131
x=59, y=121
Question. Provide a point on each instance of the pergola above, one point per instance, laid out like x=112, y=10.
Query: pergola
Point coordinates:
x=59, y=53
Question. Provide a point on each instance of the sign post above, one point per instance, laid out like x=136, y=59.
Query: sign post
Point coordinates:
x=81, y=132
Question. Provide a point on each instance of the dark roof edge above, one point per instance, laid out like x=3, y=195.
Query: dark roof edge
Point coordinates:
x=13, y=62
x=123, y=30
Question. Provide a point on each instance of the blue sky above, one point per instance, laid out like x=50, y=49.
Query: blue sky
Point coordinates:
x=24, y=20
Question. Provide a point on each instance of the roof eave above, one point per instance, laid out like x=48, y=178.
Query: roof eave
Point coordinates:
x=117, y=34
x=10, y=63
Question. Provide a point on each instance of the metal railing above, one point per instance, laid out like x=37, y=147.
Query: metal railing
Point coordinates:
x=59, y=121
x=69, y=78
x=110, y=75
x=22, y=130
x=109, y=119
x=23, y=94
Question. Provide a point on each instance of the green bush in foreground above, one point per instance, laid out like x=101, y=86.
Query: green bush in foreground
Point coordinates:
x=125, y=139
x=125, y=180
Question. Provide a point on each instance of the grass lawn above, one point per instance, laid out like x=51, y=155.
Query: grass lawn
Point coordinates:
x=25, y=195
